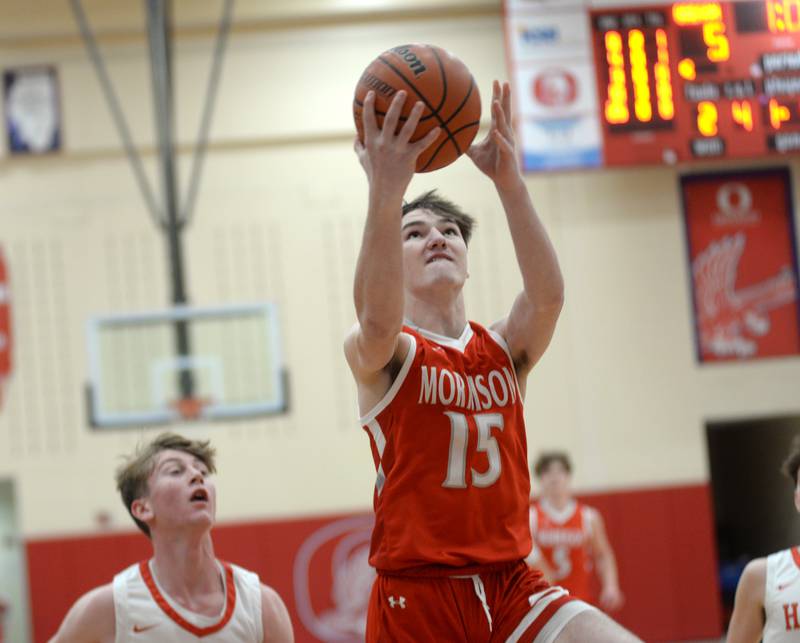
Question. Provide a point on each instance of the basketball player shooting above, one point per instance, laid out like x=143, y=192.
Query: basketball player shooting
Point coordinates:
x=183, y=593
x=768, y=594
x=441, y=400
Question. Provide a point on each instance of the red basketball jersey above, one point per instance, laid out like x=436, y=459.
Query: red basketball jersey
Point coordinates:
x=448, y=440
x=564, y=541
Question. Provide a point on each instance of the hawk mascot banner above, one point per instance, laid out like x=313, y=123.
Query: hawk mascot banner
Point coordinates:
x=5, y=325
x=743, y=260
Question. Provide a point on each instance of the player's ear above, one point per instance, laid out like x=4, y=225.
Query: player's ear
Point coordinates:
x=141, y=509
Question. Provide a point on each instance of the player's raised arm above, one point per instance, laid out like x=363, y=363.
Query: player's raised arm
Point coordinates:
x=531, y=322
x=90, y=620
x=747, y=621
x=389, y=160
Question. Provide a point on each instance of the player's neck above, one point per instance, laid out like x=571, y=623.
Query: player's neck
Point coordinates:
x=186, y=566
x=438, y=316
x=559, y=502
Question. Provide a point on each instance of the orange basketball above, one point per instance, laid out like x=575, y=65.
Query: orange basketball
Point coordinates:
x=438, y=79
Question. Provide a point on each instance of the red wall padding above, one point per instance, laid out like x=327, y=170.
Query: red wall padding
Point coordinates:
x=663, y=539
x=666, y=553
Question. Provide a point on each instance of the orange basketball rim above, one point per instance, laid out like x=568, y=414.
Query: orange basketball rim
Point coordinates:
x=5, y=323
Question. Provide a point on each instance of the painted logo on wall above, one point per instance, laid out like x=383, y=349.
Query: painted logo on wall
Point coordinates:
x=333, y=580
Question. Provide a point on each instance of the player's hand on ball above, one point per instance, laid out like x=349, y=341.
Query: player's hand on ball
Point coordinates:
x=611, y=599
x=496, y=155
x=390, y=158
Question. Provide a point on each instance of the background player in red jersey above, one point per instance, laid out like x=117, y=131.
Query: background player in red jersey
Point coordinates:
x=441, y=399
x=569, y=538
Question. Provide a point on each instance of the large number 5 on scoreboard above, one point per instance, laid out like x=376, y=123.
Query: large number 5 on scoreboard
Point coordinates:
x=719, y=49
x=457, y=459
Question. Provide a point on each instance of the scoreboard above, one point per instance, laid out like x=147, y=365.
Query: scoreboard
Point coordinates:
x=697, y=80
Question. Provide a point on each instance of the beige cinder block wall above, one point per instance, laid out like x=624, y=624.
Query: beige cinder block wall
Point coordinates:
x=279, y=218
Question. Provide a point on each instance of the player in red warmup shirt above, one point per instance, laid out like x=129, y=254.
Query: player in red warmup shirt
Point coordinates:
x=441, y=400
x=570, y=543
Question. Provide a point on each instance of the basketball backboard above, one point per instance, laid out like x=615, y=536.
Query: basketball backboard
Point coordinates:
x=233, y=364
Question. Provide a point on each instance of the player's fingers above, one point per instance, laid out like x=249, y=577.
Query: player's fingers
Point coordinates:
x=495, y=90
x=506, y=101
x=423, y=144
x=393, y=113
x=503, y=144
x=501, y=121
x=368, y=117
x=411, y=123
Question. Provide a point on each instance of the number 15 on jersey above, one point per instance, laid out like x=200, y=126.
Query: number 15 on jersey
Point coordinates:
x=485, y=423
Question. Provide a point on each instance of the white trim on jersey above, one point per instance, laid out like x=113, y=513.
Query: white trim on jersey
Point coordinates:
x=380, y=444
x=459, y=343
x=533, y=522
x=377, y=435
x=559, y=516
x=395, y=387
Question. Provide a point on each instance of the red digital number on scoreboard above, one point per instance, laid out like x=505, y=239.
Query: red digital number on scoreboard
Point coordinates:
x=694, y=80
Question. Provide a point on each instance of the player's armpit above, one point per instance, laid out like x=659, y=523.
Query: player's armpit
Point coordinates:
x=90, y=620
x=275, y=617
x=528, y=330
x=747, y=621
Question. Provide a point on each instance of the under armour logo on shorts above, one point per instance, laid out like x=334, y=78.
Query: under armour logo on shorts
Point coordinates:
x=401, y=601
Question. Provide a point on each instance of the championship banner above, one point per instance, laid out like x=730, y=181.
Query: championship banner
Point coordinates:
x=5, y=324
x=742, y=254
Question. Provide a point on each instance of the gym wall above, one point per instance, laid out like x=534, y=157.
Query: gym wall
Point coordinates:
x=279, y=218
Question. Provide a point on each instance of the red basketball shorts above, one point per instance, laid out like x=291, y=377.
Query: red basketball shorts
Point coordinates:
x=511, y=605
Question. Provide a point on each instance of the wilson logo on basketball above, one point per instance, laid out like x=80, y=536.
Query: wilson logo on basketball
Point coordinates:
x=333, y=580
x=555, y=88
x=410, y=58
x=377, y=85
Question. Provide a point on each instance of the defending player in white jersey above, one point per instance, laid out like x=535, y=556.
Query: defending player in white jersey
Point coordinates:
x=183, y=593
x=767, y=598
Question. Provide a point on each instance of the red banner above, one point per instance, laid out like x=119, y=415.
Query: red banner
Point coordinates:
x=742, y=254
x=5, y=324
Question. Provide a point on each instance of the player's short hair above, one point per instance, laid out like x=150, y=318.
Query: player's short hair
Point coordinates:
x=547, y=458
x=445, y=208
x=792, y=462
x=133, y=474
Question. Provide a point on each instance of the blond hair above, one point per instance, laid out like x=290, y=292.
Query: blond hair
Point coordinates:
x=132, y=476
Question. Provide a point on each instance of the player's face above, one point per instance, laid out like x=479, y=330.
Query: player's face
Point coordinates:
x=181, y=493
x=555, y=481
x=434, y=252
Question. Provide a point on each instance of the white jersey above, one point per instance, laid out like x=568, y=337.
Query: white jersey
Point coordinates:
x=782, y=597
x=146, y=614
